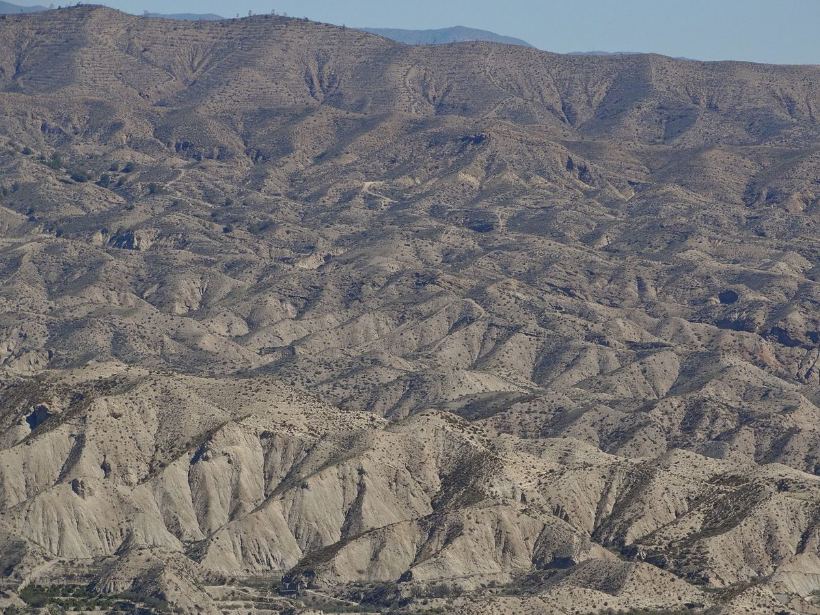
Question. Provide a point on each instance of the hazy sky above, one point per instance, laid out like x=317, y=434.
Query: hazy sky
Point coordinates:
x=781, y=31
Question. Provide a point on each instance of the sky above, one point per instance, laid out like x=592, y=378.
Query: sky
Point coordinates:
x=775, y=31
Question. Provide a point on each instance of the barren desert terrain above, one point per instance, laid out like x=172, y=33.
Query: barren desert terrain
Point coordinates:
x=295, y=319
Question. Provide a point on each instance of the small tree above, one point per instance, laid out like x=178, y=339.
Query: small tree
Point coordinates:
x=56, y=162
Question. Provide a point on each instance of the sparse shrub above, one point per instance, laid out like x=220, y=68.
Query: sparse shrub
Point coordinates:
x=34, y=596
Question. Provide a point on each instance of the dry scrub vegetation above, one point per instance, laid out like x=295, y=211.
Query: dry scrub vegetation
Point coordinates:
x=293, y=317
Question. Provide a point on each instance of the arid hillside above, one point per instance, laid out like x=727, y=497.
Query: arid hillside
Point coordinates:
x=294, y=317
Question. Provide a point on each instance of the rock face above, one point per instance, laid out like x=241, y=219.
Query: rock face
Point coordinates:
x=286, y=308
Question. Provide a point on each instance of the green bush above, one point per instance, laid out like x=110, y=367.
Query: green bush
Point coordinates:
x=34, y=596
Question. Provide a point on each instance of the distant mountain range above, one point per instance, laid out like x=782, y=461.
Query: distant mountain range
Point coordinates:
x=442, y=36
x=186, y=16
x=620, y=53
x=601, y=53
x=295, y=315
x=7, y=8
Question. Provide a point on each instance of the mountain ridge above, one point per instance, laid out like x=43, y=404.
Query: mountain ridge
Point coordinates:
x=186, y=16
x=443, y=36
x=9, y=8
x=297, y=317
